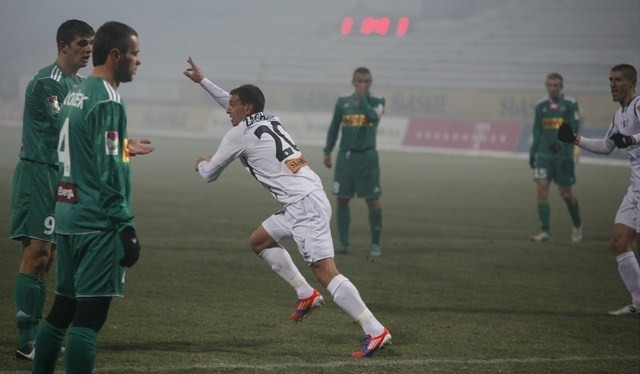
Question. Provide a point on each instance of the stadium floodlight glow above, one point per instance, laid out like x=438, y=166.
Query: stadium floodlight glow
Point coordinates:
x=375, y=26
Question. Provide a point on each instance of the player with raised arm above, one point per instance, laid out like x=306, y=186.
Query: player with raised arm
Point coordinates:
x=272, y=157
x=624, y=133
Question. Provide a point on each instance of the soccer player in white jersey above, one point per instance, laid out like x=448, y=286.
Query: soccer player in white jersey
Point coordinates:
x=624, y=132
x=270, y=154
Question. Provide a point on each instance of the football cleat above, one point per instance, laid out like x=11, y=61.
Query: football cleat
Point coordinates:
x=630, y=309
x=305, y=306
x=372, y=344
x=27, y=352
x=576, y=235
x=375, y=250
x=541, y=237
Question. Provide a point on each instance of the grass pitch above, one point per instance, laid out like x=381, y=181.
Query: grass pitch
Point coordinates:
x=459, y=285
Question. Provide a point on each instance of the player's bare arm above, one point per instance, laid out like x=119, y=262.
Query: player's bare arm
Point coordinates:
x=194, y=72
x=140, y=147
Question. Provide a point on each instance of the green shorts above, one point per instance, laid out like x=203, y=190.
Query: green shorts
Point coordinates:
x=33, y=201
x=560, y=170
x=87, y=265
x=357, y=173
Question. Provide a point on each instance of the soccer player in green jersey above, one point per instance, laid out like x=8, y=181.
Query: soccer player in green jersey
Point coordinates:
x=553, y=160
x=35, y=178
x=357, y=169
x=95, y=224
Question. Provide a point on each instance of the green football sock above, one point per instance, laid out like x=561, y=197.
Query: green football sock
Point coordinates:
x=344, y=220
x=574, y=211
x=27, y=293
x=80, y=353
x=544, y=212
x=41, y=299
x=48, y=343
x=375, y=223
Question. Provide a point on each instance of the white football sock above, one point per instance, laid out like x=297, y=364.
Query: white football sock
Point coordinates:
x=346, y=295
x=630, y=273
x=280, y=261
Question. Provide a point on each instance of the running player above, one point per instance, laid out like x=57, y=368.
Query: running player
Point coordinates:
x=270, y=154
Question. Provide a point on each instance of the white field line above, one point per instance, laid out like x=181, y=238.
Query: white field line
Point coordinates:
x=372, y=363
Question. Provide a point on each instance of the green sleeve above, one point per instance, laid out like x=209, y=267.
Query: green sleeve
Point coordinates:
x=368, y=110
x=537, y=131
x=334, y=128
x=574, y=117
x=112, y=170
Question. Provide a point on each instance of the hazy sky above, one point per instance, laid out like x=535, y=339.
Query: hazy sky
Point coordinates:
x=243, y=38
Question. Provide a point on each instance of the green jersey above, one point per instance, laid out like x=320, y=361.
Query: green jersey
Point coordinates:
x=359, y=118
x=43, y=97
x=94, y=188
x=549, y=115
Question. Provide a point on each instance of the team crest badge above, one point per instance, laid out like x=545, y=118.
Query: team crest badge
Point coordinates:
x=111, y=143
x=54, y=107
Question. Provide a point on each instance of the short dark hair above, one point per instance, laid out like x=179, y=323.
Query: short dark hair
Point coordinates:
x=627, y=70
x=109, y=36
x=250, y=94
x=361, y=70
x=70, y=29
x=555, y=75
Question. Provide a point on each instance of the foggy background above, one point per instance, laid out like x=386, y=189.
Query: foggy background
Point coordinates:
x=460, y=60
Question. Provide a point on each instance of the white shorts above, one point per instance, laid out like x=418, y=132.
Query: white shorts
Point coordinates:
x=628, y=210
x=308, y=223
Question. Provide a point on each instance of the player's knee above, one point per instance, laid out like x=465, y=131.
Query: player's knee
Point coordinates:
x=35, y=261
x=92, y=312
x=62, y=312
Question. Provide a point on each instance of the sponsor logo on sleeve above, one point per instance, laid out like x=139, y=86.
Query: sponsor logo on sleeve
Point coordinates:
x=54, y=107
x=111, y=143
x=67, y=193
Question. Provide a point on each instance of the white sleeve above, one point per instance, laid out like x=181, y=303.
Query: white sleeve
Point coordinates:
x=601, y=146
x=231, y=147
x=221, y=96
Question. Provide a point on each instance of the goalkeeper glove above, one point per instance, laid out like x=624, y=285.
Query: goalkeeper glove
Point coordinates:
x=622, y=141
x=131, y=247
x=566, y=134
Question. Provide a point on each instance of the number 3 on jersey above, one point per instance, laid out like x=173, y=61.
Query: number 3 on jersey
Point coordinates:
x=63, y=148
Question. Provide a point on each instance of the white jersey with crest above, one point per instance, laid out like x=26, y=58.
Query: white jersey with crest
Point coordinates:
x=626, y=121
x=269, y=153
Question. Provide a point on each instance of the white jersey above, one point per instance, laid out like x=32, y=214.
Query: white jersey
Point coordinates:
x=626, y=121
x=269, y=153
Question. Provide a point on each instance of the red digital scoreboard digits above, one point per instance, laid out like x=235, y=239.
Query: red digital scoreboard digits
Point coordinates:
x=375, y=26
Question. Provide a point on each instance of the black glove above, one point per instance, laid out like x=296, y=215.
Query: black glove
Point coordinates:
x=131, y=247
x=566, y=134
x=622, y=141
x=532, y=160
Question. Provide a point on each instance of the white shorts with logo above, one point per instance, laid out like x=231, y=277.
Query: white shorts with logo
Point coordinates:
x=308, y=222
x=628, y=210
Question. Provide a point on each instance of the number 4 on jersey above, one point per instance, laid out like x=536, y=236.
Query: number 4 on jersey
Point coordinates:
x=63, y=148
